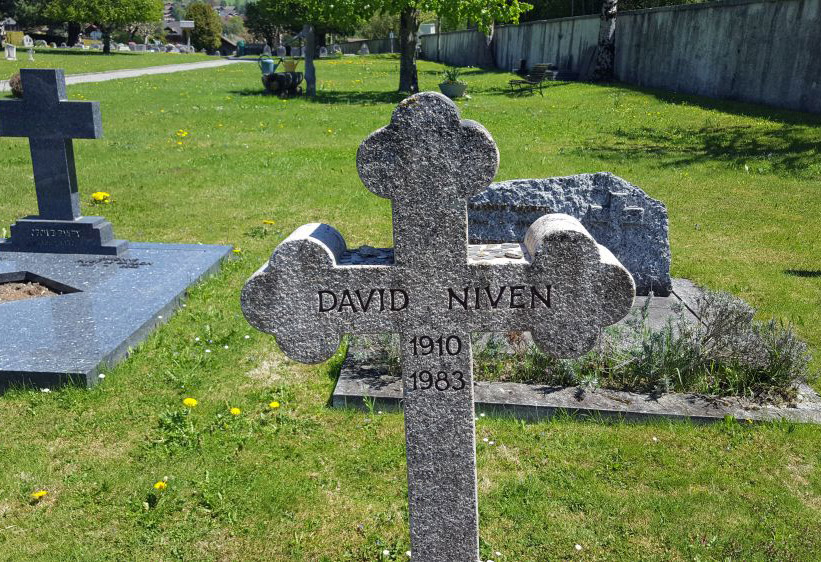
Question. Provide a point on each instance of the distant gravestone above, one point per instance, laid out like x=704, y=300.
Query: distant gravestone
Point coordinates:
x=52, y=45
x=364, y=50
x=296, y=52
x=63, y=45
x=28, y=41
x=323, y=52
x=266, y=50
x=50, y=123
x=31, y=54
x=618, y=214
x=336, y=49
x=560, y=285
x=11, y=52
x=40, y=43
x=282, y=51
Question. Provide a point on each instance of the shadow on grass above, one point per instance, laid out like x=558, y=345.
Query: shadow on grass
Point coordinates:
x=331, y=97
x=730, y=106
x=803, y=272
x=789, y=149
x=788, y=143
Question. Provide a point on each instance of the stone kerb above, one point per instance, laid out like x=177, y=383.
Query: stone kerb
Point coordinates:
x=562, y=287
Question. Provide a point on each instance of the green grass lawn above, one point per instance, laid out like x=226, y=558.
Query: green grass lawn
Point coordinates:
x=79, y=62
x=202, y=157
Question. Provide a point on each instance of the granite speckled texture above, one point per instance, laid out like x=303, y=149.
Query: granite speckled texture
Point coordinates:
x=558, y=284
x=618, y=215
x=70, y=338
x=51, y=122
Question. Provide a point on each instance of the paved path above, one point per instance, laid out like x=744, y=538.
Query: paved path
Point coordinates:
x=133, y=72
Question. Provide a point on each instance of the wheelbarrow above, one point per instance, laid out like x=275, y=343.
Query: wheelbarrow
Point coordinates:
x=284, y=84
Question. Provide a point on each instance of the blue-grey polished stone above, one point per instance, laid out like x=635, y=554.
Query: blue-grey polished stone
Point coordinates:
x=70, y=338
x=50, y=122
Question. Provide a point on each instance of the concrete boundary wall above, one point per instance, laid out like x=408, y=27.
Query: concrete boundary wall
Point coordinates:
x=760, y=51
x=569, y=43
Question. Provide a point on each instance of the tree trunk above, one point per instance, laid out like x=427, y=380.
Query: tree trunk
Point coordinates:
x=438, y=39
x=605, y=58
x=408, y=28
x=310, y=71
x=488, y=57
x=106, y=41
x=73, y=33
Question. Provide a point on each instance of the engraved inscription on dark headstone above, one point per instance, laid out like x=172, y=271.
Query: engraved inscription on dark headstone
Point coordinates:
x=50, y=123
x=558, y=284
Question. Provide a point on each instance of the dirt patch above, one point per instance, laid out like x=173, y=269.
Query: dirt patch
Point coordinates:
x=21, y=291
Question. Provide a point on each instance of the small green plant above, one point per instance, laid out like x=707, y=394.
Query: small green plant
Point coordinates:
x=452, y=74
x=725, y=353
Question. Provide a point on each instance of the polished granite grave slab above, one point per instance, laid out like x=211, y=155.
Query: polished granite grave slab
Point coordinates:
x=109, y=304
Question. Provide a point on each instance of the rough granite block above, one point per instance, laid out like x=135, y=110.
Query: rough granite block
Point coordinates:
x=619, y=216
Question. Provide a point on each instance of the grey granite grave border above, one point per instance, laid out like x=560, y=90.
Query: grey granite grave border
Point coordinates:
x=364, y=376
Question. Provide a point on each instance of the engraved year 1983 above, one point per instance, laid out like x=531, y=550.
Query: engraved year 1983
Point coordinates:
x=441, y=381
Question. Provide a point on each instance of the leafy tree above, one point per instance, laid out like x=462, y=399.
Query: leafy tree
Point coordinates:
x=266, y=19
x=26, y=12
x=234, y=26
x=207, y=26
x=379, y=26
x=483, y=13
x=108, y=15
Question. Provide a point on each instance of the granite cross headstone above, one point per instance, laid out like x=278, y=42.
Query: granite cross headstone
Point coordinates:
x=561, y=286
x=50, y=123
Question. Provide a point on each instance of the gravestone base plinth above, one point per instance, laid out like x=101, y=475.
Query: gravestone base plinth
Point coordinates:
x=107, y=306
x=85, y=235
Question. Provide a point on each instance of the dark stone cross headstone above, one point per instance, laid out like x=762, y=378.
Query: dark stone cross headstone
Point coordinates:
x=561, y=286
x=50, y=123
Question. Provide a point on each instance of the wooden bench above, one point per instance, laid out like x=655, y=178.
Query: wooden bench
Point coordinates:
x=535, y=78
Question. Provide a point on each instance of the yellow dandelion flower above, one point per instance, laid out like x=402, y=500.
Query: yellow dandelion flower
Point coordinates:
x=160, y=485
x=38, y=495
x=268, y=221
x=274, y=405
x=179, y=143
x=237, y=251
x=235, y=411
x=219, y=124
x=330, y=131
x=100, y=196
x=190, y=402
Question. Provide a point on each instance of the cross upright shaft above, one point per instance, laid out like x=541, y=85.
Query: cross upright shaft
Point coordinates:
x=50, y=123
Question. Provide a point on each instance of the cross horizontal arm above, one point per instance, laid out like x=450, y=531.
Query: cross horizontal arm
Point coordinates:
x=68, y=120
x=309, y=301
